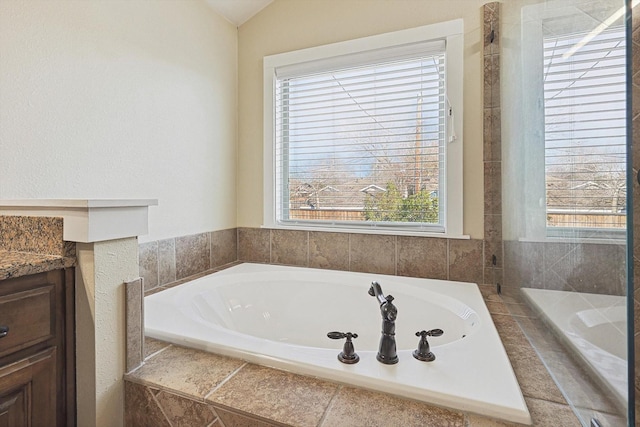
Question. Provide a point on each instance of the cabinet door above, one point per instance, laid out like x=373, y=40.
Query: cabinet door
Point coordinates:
x=13, y=409
x=28, y=391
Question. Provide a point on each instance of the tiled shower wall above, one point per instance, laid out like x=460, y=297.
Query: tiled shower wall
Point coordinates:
x=578, y=267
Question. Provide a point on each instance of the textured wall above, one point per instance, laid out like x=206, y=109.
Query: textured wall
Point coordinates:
x=121, y=99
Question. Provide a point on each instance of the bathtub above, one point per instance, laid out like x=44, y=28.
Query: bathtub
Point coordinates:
x=594, y=328
x=279, y=317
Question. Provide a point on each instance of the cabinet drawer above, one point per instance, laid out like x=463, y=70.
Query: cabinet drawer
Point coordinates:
x=29, y=316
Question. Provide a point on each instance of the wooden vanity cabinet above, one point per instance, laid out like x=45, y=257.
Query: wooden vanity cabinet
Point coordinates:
x=37, y=353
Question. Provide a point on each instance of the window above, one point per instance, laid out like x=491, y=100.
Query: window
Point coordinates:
x=367, y=134
x=566, y=123
x=585, y=131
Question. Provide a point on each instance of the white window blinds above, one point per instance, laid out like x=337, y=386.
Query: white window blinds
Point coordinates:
x=585, y=130
x=362, y=139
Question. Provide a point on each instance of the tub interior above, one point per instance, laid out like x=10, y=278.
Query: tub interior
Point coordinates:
x=258, y=309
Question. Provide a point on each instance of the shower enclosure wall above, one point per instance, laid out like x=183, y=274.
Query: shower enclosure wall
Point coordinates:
x=564, y=194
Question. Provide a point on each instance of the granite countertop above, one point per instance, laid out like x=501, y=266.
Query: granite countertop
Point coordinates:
x=15, y=263
x=32, y=245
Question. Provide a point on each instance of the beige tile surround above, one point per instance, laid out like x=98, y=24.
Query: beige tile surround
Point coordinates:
x=540, y=265
x=165, y=261
x=437, y=258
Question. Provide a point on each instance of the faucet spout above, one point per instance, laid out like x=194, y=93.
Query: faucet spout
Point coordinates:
x=376, y=291
x=387, y=351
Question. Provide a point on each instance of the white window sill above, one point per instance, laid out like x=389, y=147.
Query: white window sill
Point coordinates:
x=608, y=240
x=378, y=231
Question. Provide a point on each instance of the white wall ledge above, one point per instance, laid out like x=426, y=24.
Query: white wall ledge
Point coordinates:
x=88, y=220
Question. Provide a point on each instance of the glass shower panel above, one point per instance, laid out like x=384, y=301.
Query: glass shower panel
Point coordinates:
x=563, y=95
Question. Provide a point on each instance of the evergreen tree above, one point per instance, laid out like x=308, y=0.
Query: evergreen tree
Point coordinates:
x=392, y=206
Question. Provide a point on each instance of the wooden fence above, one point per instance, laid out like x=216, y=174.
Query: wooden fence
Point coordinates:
x=554, y=219
x=587, y=220
x=327, y=214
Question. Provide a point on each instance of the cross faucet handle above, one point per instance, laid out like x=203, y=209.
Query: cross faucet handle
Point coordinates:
x=430, y=333
x=348, y=354
x=423, y=353
x=340, y=335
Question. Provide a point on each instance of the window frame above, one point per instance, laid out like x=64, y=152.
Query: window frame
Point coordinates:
x=373, y=47
x=535, y=227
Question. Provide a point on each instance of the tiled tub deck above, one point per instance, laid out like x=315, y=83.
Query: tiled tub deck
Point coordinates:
x=177, y=386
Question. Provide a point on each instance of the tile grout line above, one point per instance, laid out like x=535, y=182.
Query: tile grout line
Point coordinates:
x=144, y=359
x=329, y=406
x=217, y=417
x=153, y=396
x=218, y=420
x=154, y=354
x=397, y=256
x=223, y=382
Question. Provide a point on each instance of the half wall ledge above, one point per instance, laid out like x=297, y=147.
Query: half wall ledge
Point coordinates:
x=88, y=220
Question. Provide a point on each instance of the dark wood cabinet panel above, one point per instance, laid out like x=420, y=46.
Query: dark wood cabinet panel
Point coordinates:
x=27, y=317
x=37, y=354
x=14, y=408
x=28, y=391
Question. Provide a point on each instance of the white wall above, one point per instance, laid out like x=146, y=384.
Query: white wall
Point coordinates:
x=287, y=25
x=121, y=99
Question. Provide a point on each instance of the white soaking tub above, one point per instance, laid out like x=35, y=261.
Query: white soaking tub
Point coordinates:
x=279, y=316
x=594, y=328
